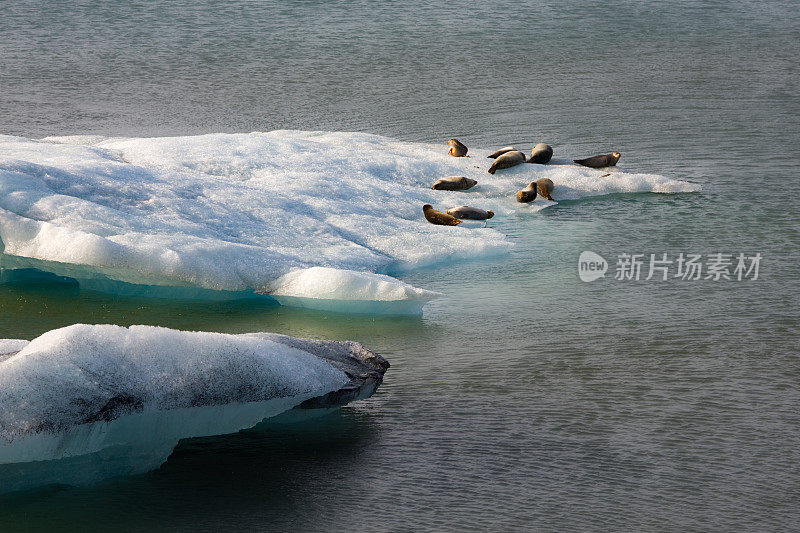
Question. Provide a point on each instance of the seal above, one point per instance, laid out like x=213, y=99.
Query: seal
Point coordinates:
x=437, y=217
x=454, y=183
x=528, y=194
x=508, y=159
x=541, y=154
x=501, y=151
x=456, y=148
x=544, y=186
x=470, y=213
x=599, y=161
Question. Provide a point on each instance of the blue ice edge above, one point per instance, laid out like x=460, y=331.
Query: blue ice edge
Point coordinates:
x=24, y=271
x=77, y=410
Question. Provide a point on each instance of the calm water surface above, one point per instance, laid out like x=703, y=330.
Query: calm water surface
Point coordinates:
x=525, y=399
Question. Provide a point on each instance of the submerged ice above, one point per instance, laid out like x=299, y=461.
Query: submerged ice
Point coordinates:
x=83, y=390
x=238, y=212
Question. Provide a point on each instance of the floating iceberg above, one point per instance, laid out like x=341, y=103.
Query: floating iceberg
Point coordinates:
x=237, y=212
x=82, y=396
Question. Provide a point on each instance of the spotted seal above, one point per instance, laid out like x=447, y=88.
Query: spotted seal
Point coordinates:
x=454, y=183
x=508, y=159
x=457, y=149
x=599, y=161
x=470, y=213
x=528, y=194
x=541, y=154
x=437, y=217
x=543, y=187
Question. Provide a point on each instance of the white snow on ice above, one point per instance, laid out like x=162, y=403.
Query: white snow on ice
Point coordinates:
x=239, y=211
x=11, y=345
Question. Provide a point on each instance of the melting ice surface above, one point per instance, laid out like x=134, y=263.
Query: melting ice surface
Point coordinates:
x=106, y=400
x=241, y=212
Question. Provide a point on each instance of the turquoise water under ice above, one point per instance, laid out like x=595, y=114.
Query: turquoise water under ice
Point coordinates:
x=525, y=399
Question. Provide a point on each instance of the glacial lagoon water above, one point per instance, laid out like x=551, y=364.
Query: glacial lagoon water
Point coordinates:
x=524, y=398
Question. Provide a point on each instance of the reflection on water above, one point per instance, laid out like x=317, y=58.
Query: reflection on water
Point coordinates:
x=284, y=468
x=30, y=309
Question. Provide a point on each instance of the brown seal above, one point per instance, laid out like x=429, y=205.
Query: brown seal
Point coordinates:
x=501, y=151
x=544, y=186
x=541, y=154
x=437, y=217
x=454, y=183
x=528, y=194
x=508, y=159
x=599, y=161
x=457, y=149
x=470, y=213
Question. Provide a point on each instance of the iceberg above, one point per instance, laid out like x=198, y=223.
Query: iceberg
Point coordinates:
x=235, y=213
x=86, y=402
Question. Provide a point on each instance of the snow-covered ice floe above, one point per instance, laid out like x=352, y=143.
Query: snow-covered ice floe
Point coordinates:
x=250, y=213
x=86, y=402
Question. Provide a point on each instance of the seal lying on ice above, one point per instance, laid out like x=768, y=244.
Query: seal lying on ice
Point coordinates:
x=470, y=213
x=507, y=160
x=438, y=218
x=599, y=161
x=454, y=183
x=541, y=154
